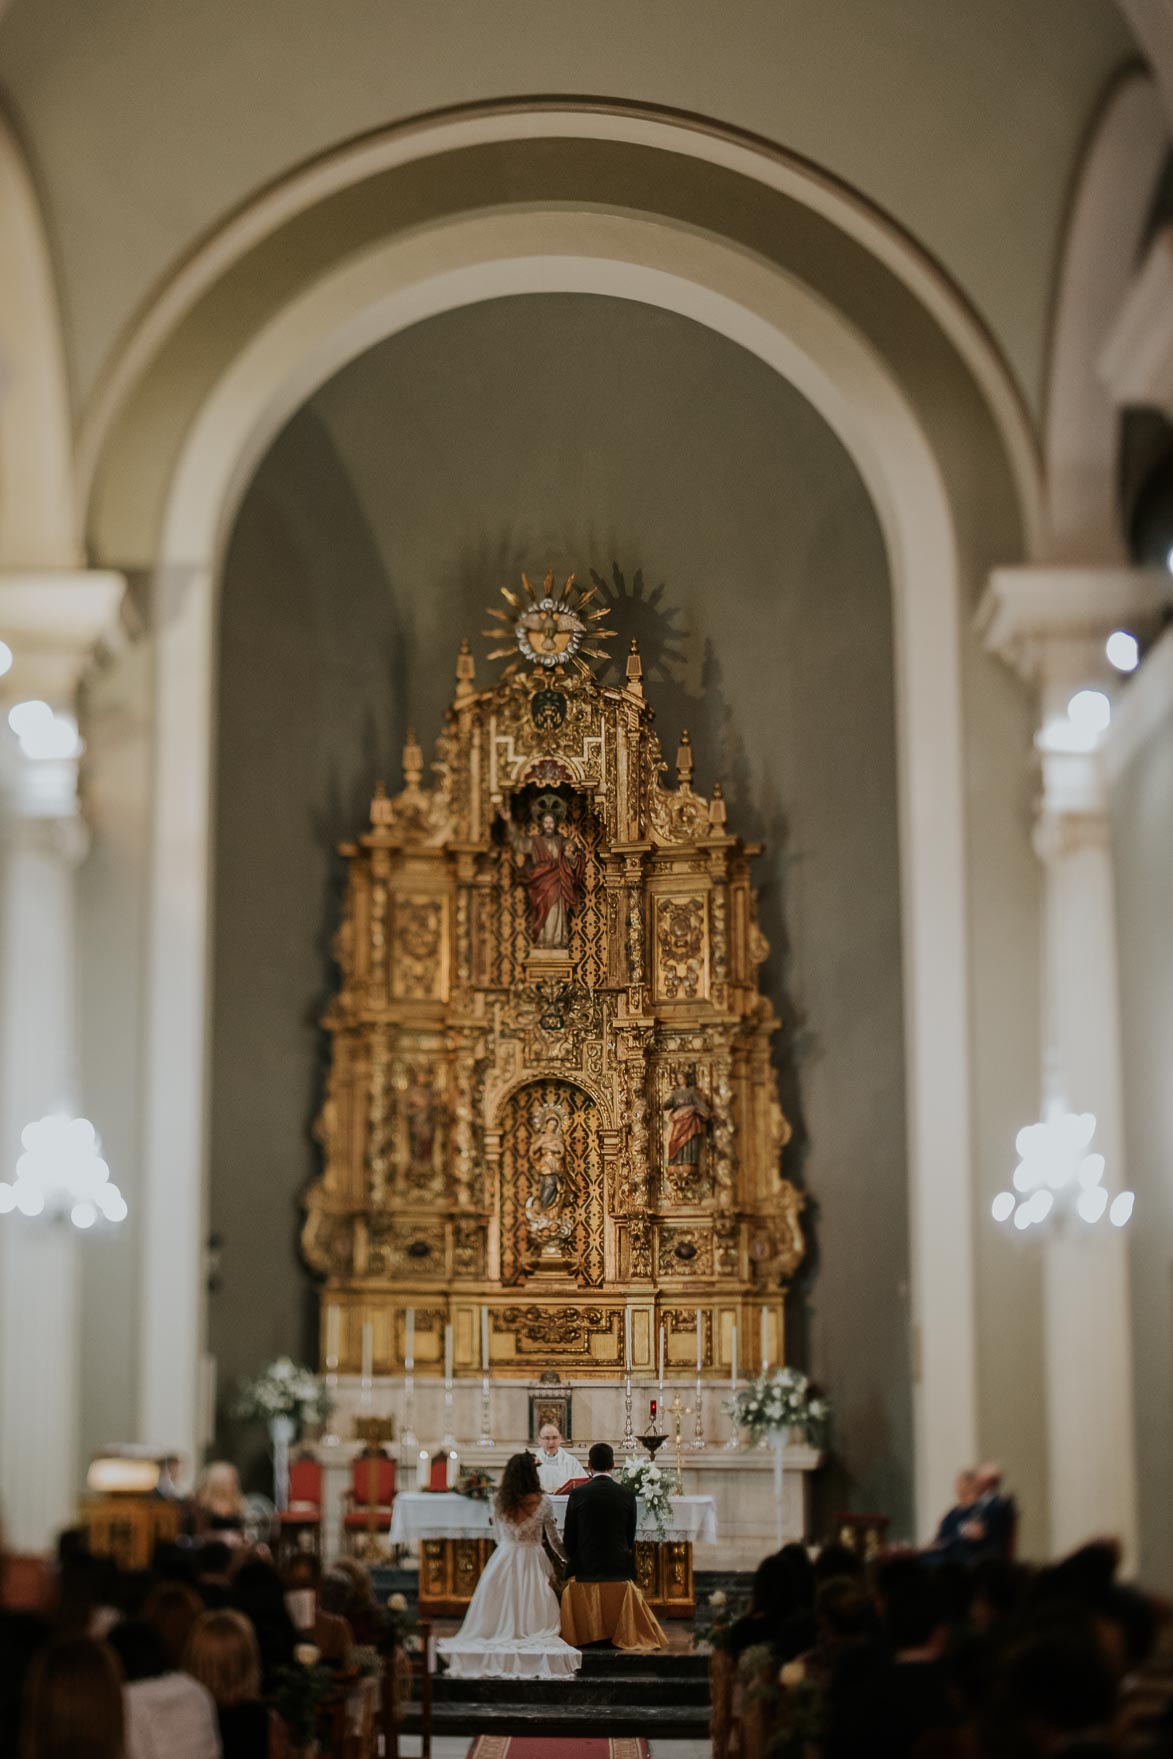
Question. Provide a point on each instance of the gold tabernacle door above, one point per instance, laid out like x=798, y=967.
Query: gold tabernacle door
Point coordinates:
x=550, y=1089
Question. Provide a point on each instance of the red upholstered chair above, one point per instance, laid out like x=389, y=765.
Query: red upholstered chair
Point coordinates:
x=438, y=1476
x=371, y=1494
x=301, y=1521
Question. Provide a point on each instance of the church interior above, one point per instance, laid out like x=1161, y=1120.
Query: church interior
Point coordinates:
x=586, y=800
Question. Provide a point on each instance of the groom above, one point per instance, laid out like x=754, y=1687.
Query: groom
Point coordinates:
x=599, y=1535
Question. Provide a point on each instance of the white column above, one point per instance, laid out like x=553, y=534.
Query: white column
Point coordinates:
x=175, y=1125
x=39, y=1317
x=51, y=621
x=1051, y=624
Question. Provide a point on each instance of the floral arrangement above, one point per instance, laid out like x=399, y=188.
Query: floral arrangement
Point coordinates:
x=651, y=1486
x=301, y=1692
x=779, y=1400
x=714, y=1630
x=366, y=1661
x=477, y=1486
x=283, y=1389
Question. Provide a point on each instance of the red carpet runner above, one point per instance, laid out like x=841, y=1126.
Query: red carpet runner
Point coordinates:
x=544, y=1747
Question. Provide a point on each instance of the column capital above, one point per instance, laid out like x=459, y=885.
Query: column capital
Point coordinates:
x=1052, y=622
x=53, y=619
x=1136, y=363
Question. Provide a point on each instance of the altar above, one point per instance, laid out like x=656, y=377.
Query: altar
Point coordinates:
x=455, y=1538
x=551, y=1134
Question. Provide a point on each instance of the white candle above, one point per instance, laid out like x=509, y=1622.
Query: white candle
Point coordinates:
x=422, y=1469
x=765, y=1340
x=485, y=1339
x=368, y=1349
x=448, y=1351
x=333, y=1335
x=409, y=1341
x=699, y=1336
x=733, y=1375
x=661, y=1355
x=627, y=1340
x=453, y=1472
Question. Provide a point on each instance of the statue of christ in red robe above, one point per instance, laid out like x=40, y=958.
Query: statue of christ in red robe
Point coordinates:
x=553, y=870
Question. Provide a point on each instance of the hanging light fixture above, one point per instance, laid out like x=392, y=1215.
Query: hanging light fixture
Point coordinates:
x=62, y=1173
x=1058, y=1171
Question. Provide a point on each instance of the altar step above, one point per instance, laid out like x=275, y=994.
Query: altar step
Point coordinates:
x=614, y=1694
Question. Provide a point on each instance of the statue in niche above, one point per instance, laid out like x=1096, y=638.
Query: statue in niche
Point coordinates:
x=689, y=1123
x=420, y=1112
x=553, y=869
x=549, y=1225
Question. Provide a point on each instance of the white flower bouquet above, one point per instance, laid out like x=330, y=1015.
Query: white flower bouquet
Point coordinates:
x=781, y=1399
x=283, y=1389
x=650, y=1484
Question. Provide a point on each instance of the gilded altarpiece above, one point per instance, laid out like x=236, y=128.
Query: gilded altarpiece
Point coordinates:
x=550, y=1087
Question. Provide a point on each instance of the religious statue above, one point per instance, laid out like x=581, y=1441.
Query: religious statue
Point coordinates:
x=549, y=1218
x=690, y=1120
x=553, y=867
x=419, y=1106
x=548, y=1155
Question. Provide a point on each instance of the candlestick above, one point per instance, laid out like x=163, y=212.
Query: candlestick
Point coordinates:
x=485, y=1339
x=698, y=1427
x=409, y=1341
x=331, y=1437
x=409, y=1440
x=448, y=1437
x=627, y=1340
x=368, y=1362
x=662, y=1359
x=699, y=1340
x=765, y=1340
x=452, y=1471
x=734, y=1437
x=486, y=1414
x=628, y=1442
x=333, y=1334
x=448, y=1352
x=423, y=1470
x=677, y=1412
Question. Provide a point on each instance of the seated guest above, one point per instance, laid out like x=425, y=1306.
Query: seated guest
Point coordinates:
x=212, y=1578
x=168, y=1714
x=556, y=1466
x=219, y=1503
x=302, y=1579
x=776, y=1599
x=965, y=1496
x=173, y=1609
x=74, y=1703
x=989, y=1529
x=367, y=1621
x=222, y=1655
x=601, y=1602
x=23, y=1635
x=171, y=1484
x=332, y=1633
x=257, y=1593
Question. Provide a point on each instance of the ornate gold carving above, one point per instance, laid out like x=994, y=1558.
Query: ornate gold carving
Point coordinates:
x=546, y=949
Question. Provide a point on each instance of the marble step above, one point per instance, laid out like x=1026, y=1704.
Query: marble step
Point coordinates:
x=669, y=1722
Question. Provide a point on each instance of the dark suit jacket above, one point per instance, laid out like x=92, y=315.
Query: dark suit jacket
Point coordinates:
x=600, y=1532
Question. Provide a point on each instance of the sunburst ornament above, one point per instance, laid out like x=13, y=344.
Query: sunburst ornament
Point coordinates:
x=551, y=628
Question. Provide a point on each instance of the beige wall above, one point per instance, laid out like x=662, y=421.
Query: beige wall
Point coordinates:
x=1143, y=845
x=573, y=431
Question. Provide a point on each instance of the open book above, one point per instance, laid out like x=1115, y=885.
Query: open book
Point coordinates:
x=571, y=1484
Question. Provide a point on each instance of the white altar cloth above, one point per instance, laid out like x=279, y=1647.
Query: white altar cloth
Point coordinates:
x=428, y=1514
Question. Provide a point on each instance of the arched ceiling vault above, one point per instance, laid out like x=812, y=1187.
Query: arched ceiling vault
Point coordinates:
x=406, y=183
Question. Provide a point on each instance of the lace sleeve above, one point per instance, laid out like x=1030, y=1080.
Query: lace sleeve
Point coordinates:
x=551, y=1530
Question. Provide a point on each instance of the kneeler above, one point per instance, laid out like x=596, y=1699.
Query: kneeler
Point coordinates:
x=615, y=1612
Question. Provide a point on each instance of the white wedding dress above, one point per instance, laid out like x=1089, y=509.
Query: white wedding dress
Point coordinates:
x=512, y=1624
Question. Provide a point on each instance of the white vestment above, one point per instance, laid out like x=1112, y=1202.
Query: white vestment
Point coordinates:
x=555, y=1469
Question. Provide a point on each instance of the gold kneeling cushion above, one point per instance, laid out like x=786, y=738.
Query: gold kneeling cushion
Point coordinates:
x=616, y=1612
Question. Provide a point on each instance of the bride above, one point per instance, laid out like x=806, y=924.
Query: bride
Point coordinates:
x=512, y=1624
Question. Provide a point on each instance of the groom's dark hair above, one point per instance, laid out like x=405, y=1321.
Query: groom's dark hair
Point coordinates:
x=601, y=1457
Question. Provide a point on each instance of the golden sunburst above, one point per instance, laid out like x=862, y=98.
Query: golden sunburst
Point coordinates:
x=550, y=628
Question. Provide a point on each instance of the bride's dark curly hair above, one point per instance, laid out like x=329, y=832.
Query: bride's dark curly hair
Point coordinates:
x=519, y=1482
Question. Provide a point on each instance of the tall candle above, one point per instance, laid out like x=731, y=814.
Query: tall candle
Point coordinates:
x=733, y=1375
x=448, y=1350
x=485, y=1339
x=661, y=1355
x=765, y=1340
x=627, y=1340
x=422, y=1469
x=409, y=1340
x=368, y=1349
x=333, y=1335
x=699, y=1336
x=453, y=1471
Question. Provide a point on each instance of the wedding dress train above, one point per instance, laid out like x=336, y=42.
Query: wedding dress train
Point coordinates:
x=512, y=1624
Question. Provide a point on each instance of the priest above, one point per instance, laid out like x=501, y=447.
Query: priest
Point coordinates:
x=555, y=1464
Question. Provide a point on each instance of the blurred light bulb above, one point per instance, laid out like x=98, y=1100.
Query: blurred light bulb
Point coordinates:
x=7, y=1197
x=1123, y=650
x=26, y=717
x=1003, y=1206
x=83, y=1215
x=1091, y=1170
x=1022, y=1216
x=1121, y=1210
x=5, y=658
x=1040, y=1206
x=1092, y=1203
x=1090, y=711
x=1169, y=561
